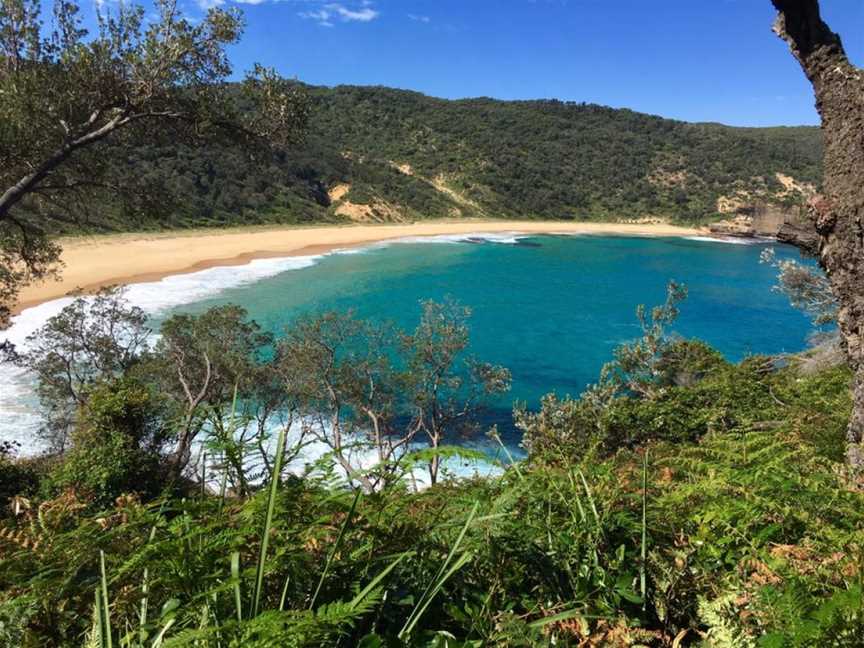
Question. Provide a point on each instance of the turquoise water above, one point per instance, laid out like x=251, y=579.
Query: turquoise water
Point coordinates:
x=549, y=308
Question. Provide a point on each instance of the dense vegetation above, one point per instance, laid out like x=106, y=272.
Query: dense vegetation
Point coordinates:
x=138, y=77
x=682, y=500
x=409, y=156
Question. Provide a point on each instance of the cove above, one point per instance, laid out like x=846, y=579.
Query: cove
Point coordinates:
x=549, y=308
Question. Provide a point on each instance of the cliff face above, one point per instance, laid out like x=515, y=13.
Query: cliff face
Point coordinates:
x=791, y=225
x=801, y=232
x=780, y=213
x=758, y=219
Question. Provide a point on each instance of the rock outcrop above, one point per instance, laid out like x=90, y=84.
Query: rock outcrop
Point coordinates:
x=758, y=219
x=800, y=232
x=777, y=210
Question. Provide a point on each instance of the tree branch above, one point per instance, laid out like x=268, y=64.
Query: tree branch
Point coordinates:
x=14, y=194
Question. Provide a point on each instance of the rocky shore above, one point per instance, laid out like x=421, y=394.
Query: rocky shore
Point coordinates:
x=790, y=225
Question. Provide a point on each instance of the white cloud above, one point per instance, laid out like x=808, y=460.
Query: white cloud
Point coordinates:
x=362, y=15
x=416, y=18
x=329, y=13
x=322, y=17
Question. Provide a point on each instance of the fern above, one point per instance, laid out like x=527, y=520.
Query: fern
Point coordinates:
x=721, y=617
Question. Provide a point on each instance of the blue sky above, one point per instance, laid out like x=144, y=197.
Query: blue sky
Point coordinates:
x=698, y=60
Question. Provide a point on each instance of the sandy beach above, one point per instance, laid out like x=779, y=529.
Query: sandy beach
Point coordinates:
x=92, y=262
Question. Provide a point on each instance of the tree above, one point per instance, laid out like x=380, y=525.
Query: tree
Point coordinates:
x=808, y=289
x=642, y=366
x=838, y=215
x=200, y=363
x=445, y=391
x=116, y=445
x=339, y=370
x=91, y=340
x=65, y=95
x=360, y=394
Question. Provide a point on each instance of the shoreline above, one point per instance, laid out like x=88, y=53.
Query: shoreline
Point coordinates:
x=90, y=263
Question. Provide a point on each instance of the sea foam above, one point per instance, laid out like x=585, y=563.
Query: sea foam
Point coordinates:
x=733, y=240
x=19, y=417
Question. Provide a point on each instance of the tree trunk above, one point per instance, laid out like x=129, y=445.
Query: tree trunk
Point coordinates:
x=839, y=214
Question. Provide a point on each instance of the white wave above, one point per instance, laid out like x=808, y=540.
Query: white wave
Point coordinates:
x=19, y=418
x=367, y=459
x=733, y=240
x=364, y=457
x=158, y=296
x=504, y=238
x=174, y=290
x=19, y=410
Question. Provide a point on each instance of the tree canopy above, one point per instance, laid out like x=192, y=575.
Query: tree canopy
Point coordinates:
x=66, y=94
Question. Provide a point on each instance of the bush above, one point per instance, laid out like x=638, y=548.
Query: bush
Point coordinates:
x=16, y=477
x=563, y=430
x=115, y=448
x=686, y=362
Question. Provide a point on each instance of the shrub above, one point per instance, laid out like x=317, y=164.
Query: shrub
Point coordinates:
x=686, y=362
x=115, y=448
x=16, y=477
x=563, y=430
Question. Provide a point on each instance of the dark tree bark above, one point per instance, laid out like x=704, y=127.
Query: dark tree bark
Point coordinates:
x=839, y=214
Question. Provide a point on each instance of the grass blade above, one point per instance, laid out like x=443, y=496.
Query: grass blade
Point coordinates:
x=419, y=611
x=374, y=582
x=268, y=522
x=334, y=549
x=98, y=626
x=235, y=577
x=106, y=613
x=157, y=641
x=642, y=577
x=284, y=596
x=575, y=613
x=590, y=499
x=440, y=578
x=145, y=588
x=203, y=475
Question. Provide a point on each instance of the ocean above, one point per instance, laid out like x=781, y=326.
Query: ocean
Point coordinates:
x=549, y=308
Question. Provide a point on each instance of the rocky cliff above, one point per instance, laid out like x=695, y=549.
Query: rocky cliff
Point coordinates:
x=782, y=214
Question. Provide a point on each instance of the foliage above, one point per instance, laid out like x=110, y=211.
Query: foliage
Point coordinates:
x=116, y=446
x=561, y=429
x=16, y=477
x=685, y=499
x=200, y=363
x=807, y=288
x=495, y=156
x=360, y=392
x=67, y=97
x=444, y=398
x=424, y=157
x=750, y=533
x=648, y=365
x=90, y=340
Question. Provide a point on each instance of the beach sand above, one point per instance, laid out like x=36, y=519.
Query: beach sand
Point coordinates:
x=92, y=262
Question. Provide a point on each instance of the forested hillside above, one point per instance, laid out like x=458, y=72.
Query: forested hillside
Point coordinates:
x=376, y=153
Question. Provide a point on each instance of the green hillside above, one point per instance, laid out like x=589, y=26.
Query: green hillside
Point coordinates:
x=399, y=155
